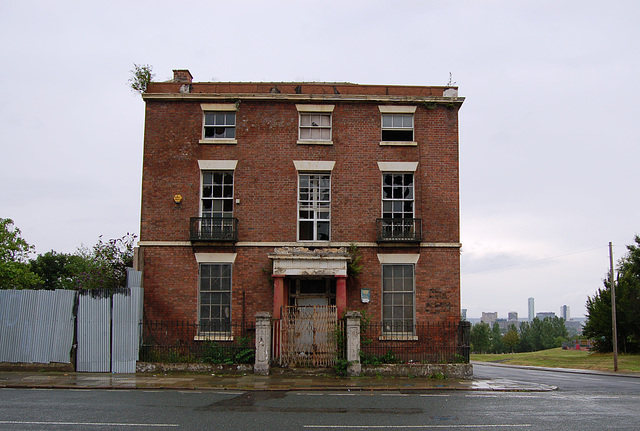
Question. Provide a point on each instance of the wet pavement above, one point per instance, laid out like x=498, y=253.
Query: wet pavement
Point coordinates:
x=253, y=382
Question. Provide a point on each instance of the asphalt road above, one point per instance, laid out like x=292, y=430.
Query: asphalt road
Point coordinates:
x=565, y=381
x=575, y=406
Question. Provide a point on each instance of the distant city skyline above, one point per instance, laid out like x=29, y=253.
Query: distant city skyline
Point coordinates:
x=563, y=311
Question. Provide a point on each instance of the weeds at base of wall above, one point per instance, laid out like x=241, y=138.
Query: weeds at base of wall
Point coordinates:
x=342, y=366
x=213, y=353
x=438, y=376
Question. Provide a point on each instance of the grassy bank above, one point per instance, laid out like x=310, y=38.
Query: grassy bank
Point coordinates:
x=558, y=358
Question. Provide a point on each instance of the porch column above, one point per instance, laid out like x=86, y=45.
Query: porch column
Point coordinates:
x=279, y=296
x=341, y=294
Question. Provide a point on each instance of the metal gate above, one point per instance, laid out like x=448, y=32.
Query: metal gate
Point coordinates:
x=108, y=328
x=306, y=336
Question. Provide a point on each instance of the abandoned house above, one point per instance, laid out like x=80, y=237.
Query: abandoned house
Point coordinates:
x=258, y=197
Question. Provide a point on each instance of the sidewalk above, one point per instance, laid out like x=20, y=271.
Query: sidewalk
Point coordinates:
x=252, y=382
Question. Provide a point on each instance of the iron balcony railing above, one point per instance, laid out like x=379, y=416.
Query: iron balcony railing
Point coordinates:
x=399, y=229
x=223, y=229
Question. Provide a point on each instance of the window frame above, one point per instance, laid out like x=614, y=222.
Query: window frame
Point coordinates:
x=225, y=334
x=391, y=333
x=394, y=112
x=218, y=109
x=310, y=111
x=314, y=205
x=392, y=200
x=229, y=200
x=314, y=126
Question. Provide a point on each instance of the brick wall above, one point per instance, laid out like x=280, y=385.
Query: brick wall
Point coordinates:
x=266, y=179
x=265, y=182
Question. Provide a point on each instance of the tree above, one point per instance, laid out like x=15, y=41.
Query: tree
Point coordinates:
x=599, y=325
x=59, y=270
x=481, y=338
x=511, y=338
x=106, y=263
x=496, y=339
x=142, y=76
x=542, y=334
x=15, y=272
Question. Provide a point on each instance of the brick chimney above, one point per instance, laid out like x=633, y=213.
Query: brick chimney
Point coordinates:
x=182, y=75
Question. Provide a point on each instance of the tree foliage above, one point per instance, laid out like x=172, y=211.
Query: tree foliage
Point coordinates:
x=15, y=272
x=511, y=339
x=106, y=263
x=103, y=266
x=542, y=334
x=481, y=338
x=142, y=75
x=59, y=270
x=599, y=324
x=534, y=336
x=497, y=346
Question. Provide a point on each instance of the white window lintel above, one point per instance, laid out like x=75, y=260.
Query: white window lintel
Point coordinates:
x=398, y=166
x=217, y=165
x=313, y=165
x=394, y=258
x=394, y=109
x=216, y=257
x=218, y=107
x=315, y=108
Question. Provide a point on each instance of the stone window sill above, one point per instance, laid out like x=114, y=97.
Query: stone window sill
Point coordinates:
x=218, y=141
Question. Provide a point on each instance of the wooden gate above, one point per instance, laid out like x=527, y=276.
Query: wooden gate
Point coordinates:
x=306, y=336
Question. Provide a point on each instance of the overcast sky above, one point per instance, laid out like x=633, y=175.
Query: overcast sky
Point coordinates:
x=549, y=131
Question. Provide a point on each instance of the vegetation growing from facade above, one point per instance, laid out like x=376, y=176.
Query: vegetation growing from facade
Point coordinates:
x=142, y=75
x=599, y=325
x=102, y=266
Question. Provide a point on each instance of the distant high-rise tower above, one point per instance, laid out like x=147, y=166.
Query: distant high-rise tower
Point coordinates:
x=513, y=316
x=532, y=311
x=489, y=317
x=463, y=315
x=564, y=313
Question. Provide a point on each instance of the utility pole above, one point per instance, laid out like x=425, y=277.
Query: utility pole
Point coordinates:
x=613, y=310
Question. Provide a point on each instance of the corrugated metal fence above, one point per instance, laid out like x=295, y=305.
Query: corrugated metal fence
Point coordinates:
x=37, y=326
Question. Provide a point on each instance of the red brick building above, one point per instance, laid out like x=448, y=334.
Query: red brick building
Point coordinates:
x=253, y=194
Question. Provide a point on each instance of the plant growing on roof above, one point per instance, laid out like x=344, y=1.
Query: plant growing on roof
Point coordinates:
x=142, y=76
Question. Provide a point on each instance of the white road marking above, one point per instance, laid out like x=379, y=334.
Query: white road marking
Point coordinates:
x=458, y=426
x=109, y=424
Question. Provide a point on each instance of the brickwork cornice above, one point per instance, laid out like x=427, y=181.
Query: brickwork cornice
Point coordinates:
x=304, y=97
x=296, y=244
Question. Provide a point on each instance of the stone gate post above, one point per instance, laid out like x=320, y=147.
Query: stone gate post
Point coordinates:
x=263, y=343
x=353, y=343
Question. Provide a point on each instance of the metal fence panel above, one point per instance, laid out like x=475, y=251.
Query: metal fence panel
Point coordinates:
x=63, y=325
x=94, y=332
x=36, y=326
x=126, y=319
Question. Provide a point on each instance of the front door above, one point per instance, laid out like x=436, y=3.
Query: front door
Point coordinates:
x=312, y=291
x=310, y=323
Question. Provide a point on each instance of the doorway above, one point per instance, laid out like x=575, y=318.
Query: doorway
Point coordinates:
x=312, y=291
x=309, y=322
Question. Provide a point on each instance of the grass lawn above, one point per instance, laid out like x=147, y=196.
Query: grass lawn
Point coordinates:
x=558, y=358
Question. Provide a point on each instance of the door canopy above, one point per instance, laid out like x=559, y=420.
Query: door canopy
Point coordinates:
x=296, y=261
